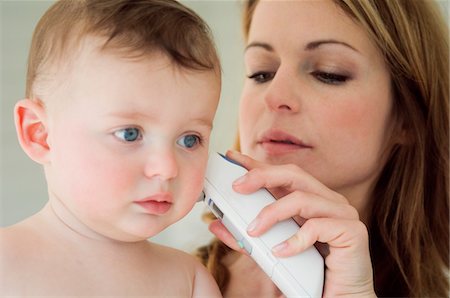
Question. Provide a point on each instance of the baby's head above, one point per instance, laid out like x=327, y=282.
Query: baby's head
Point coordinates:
x=121, y=97
x=129, y=28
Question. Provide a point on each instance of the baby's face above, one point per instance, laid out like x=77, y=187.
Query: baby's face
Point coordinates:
x=129, y=143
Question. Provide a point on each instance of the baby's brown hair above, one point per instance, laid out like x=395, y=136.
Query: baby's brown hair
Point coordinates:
x=133, y=28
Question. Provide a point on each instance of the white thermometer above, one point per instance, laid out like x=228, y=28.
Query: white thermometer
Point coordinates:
x=297, y=276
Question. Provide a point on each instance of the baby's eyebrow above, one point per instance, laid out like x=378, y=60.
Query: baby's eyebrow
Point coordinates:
x=154, y=116
x=129, y=115
x=202, y=122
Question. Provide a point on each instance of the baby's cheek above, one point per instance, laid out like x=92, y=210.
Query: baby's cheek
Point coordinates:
x=104, y=192
x=98, y=177
x=193, y=182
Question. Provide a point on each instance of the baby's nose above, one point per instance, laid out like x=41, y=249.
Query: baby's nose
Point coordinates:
x=163, y=164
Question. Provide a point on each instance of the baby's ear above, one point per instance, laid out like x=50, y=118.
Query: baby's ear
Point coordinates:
x=32, y=130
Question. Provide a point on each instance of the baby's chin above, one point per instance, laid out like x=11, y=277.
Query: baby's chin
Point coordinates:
x=142, y=235
x=127, y=234
x=138, y=226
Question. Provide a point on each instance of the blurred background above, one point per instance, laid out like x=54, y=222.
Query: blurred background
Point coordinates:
x=22, y=185
x=23, y=190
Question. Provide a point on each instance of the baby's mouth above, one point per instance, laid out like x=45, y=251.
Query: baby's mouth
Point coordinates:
x=157, y=204
x=155, y=207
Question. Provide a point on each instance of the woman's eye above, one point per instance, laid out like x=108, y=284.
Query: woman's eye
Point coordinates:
x=189, y=141
x=330, y=78
x=261, y=77
x=130, y=134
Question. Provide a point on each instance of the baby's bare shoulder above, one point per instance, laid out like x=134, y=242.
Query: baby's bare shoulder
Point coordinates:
x=184, y=270
x=172, y=256
x=19, y=246
x=15, y=242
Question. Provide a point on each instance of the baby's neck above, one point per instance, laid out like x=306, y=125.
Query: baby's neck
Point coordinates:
x=58, y=260
x=60, y=223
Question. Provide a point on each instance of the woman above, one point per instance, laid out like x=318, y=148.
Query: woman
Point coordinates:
x=344, y=118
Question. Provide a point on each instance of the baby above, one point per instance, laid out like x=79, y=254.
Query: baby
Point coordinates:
x=119, y=106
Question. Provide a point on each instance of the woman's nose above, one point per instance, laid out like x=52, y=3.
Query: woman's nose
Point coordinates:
x=281, y=94
x=162, y=165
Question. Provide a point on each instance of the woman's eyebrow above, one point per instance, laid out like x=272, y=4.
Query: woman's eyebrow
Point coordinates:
x=315, y=44
x=263, y=45
x=309, y=47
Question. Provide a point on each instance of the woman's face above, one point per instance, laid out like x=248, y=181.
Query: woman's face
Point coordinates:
x=317, y=95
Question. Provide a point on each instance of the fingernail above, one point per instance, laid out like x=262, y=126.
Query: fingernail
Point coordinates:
x=231, y=151
x=240, y=180
x=252, y=226
x=280, y=247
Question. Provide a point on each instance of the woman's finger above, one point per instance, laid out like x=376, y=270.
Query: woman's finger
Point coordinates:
x=221, y=232
x=348, y=262
x=348, y=247
x=303, y=204
x=244, y=160
x=288, y=177
x=337, y=233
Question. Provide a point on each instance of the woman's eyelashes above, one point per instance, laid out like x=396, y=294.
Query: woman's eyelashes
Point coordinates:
x=330, y=78
x=128, y=134
x=261, y=76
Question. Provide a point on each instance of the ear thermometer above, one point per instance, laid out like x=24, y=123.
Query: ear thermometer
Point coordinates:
x=296, y=276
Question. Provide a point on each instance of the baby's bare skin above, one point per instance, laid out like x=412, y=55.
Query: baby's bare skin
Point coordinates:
x=39, y=256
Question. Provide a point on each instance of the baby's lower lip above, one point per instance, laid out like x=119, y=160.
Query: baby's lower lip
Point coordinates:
x=155, y=207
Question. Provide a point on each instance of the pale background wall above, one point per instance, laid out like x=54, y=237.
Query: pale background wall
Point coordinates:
x=22, y=185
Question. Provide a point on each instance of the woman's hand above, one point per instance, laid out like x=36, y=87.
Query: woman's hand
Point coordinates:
x=326, y=217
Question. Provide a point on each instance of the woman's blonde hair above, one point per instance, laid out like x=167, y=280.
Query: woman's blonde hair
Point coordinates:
x=409, y=225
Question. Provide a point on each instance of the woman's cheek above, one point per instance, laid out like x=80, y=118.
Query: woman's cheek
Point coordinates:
x=248, y=110
x=349, y=120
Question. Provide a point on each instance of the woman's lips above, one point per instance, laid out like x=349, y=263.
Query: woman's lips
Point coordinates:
x=277, y=142
x=157, y=204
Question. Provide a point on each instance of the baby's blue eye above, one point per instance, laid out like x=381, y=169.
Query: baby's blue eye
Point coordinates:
x=130, y=134
x=189, y=141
